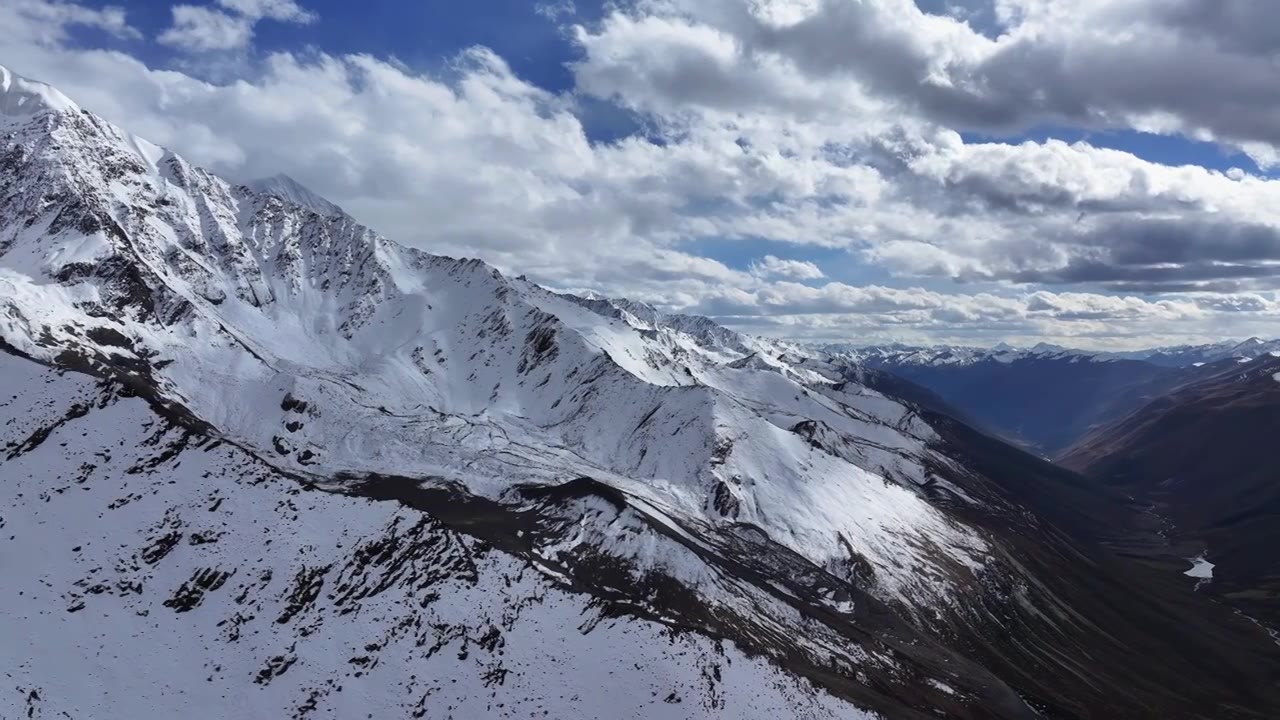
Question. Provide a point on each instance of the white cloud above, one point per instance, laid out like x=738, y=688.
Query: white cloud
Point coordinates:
x=770, y=266
x=1201, y=69
x=202, y=29
x=556, y=9
x=837, y=312
x=672, y=65
x=281, y=10
x=45, y=23
x=199, y=29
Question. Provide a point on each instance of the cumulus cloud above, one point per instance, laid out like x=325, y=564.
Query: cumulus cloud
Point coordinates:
x=198, y=28
x=45, y=23
x=1034, y=212
x=281, y=10
x=1059, y=213
x=391, y=147
x=839, y=312
x=771, y=266
x=1197, y=68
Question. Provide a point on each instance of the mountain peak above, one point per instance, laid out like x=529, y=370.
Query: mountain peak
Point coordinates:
x=286, y=188
x=20, y=97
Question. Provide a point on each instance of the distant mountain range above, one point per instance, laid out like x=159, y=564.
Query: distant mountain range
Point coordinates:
x=1185, y=433
x=896, y=354
x=1047, y=397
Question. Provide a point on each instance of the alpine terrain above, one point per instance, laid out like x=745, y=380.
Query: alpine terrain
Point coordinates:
x=257, y=460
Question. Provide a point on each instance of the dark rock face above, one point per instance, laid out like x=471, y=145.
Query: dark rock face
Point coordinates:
x=192, y=592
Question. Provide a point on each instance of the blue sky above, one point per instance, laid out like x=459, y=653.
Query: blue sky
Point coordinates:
x=423, y=35
x=919, y=170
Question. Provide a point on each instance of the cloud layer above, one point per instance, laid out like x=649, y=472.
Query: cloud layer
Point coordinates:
x=821, y=142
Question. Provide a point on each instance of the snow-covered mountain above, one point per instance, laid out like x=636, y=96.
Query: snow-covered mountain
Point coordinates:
x=298, y=463
x=1184, y=355
x=1048, y=397
x=295, y=193
x=898, y=354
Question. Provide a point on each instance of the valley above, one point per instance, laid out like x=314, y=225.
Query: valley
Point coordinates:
x=1181, y=434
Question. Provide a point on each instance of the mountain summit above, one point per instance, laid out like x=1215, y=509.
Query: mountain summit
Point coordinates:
x=20, y=97
x=294, y=192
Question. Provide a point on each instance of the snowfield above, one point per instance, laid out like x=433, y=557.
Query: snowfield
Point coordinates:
x=274, y=602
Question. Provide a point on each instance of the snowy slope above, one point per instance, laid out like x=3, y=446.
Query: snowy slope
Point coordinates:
x=274, y=602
